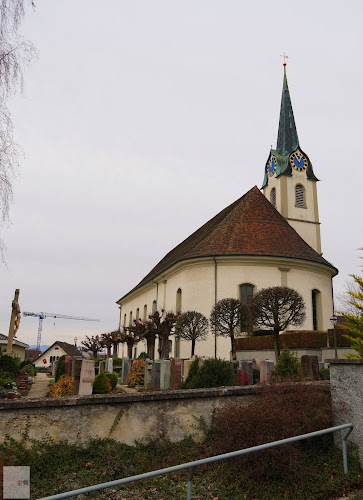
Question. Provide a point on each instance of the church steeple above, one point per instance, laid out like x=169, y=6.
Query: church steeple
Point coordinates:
x=289, y=182
x=287, y=138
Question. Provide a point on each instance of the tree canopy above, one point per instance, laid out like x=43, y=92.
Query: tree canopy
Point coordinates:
x=276, y=308
x=192, y=326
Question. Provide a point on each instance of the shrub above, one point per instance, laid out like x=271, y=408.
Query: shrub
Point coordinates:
x=29, y=369
x=213, y=373
x=256, y=375
x=324, y=373
x=112, y=377
x=143, y=355
x=137, y=372
x=282, y=411
x=9, y=364
x=64, y=387
x=117, y=362
x=61, y=368
x=288, y=366
x=101, y=384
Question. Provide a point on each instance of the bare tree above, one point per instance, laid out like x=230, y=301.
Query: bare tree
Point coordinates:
x=130, y=335
x=92, y=344
x=229, y=317
x=15, y=54
x=276, y=308
x=192, y=326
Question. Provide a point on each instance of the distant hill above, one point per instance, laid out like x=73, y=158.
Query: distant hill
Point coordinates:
x=42, y=347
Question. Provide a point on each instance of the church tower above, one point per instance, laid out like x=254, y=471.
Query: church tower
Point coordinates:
x=289, y=181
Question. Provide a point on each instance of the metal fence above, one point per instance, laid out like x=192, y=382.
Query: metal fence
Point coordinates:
x=193, y=465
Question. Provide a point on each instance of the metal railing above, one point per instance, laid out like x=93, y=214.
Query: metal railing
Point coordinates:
x=204, y=461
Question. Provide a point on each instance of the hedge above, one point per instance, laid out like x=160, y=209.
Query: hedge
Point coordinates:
x=300, y=339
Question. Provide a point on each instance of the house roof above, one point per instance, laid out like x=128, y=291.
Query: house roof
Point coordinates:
x=32, y=354
x=249, y=226
x=4, y=339
x=69, y=349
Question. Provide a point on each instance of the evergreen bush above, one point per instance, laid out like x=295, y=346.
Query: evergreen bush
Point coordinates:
x=101, y=384
x=143, y=355
x=137, y=373
x=212, y=373
x=61, y=368
x=29, y=369
x=288, y=366
x=112, y=377
x=9, y=365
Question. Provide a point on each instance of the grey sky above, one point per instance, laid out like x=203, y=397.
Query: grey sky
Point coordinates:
x=142, y=120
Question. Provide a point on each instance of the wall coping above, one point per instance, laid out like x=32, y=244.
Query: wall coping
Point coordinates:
x=344, y=361
x=138, y=397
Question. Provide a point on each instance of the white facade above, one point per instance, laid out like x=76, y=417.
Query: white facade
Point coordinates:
x=205, y=280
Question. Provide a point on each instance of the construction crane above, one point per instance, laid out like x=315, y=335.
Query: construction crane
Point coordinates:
x=43, y=315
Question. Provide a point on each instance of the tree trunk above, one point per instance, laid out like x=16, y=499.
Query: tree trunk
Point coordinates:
x=164, y=346
x=150, y=347
x=95, y=353
x=193, y=347
x=108, y=351
x=129, y=350
x=233, y=347
x=277, y=346
x=114, y=355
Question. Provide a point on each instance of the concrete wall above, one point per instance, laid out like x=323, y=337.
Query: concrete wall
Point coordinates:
x=346, y=378
x=126, y=417
x=323, y=354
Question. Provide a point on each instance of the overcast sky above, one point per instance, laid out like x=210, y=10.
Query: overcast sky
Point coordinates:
x=141, y=120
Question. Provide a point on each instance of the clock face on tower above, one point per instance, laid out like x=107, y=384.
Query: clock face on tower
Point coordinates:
x=298, y=161
x=271, y=166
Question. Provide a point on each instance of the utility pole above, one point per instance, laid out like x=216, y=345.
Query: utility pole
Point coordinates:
x=14, y=313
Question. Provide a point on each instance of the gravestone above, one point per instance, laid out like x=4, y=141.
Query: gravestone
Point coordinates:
x=76, y=372
x=126, y=365
x=175, y=374
x=155, y=374
x=246, y=368
x=165, y=374
x=266, y=367
x=147, y=374
x=68, y=360
x=101, y=367
x=109, y=365
x=187, y=363
x=310, y=367
x=54, y=367
x=87, y=377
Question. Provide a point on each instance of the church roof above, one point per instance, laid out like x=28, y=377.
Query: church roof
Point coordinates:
x=249, y=226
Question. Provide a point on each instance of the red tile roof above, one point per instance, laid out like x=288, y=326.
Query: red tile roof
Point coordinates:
x=250, y=226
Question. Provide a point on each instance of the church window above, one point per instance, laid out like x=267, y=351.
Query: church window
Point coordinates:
x=130, y=318
x=246, y=293
x=178, y=301
x=145, y=313
x=273, y=197
x=315, y=299
x=299, y=195
x=137, y=313
x=154, y=306
x=125, y=319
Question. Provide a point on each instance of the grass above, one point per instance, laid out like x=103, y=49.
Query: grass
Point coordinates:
x=59, y=467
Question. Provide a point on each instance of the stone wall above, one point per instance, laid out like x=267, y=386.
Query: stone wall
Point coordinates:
x=346, y=378
x=125, y=417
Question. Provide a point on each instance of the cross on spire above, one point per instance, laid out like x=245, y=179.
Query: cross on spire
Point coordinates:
x=285, y=57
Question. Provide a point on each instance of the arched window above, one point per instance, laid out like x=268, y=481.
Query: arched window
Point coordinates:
x=315, y=300
x=154, y=306
x=178, y=307
x=125, y=319
x=137, y=313
x=246, y=293
x=50, y=359
x=273, y=197
x=299, y=195
x=130, y=318
x=144, y=316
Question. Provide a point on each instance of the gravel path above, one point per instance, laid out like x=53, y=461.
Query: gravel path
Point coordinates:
x=40, y=387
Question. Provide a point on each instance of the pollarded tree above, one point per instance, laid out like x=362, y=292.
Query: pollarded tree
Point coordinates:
x=92, y=344
x=276, y=308
x=131, y=335
x=164, y=327
x=228, y=318
x=192, y=326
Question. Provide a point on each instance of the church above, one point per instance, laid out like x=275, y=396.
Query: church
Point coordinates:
x=263, y=239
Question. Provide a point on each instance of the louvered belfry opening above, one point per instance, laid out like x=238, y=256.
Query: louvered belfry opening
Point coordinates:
x=299, y=195
x=273, y=197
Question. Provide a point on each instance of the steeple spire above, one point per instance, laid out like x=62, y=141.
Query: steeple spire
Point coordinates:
x=287, y=138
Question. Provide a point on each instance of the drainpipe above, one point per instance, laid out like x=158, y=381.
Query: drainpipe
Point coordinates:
x=215, y=301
